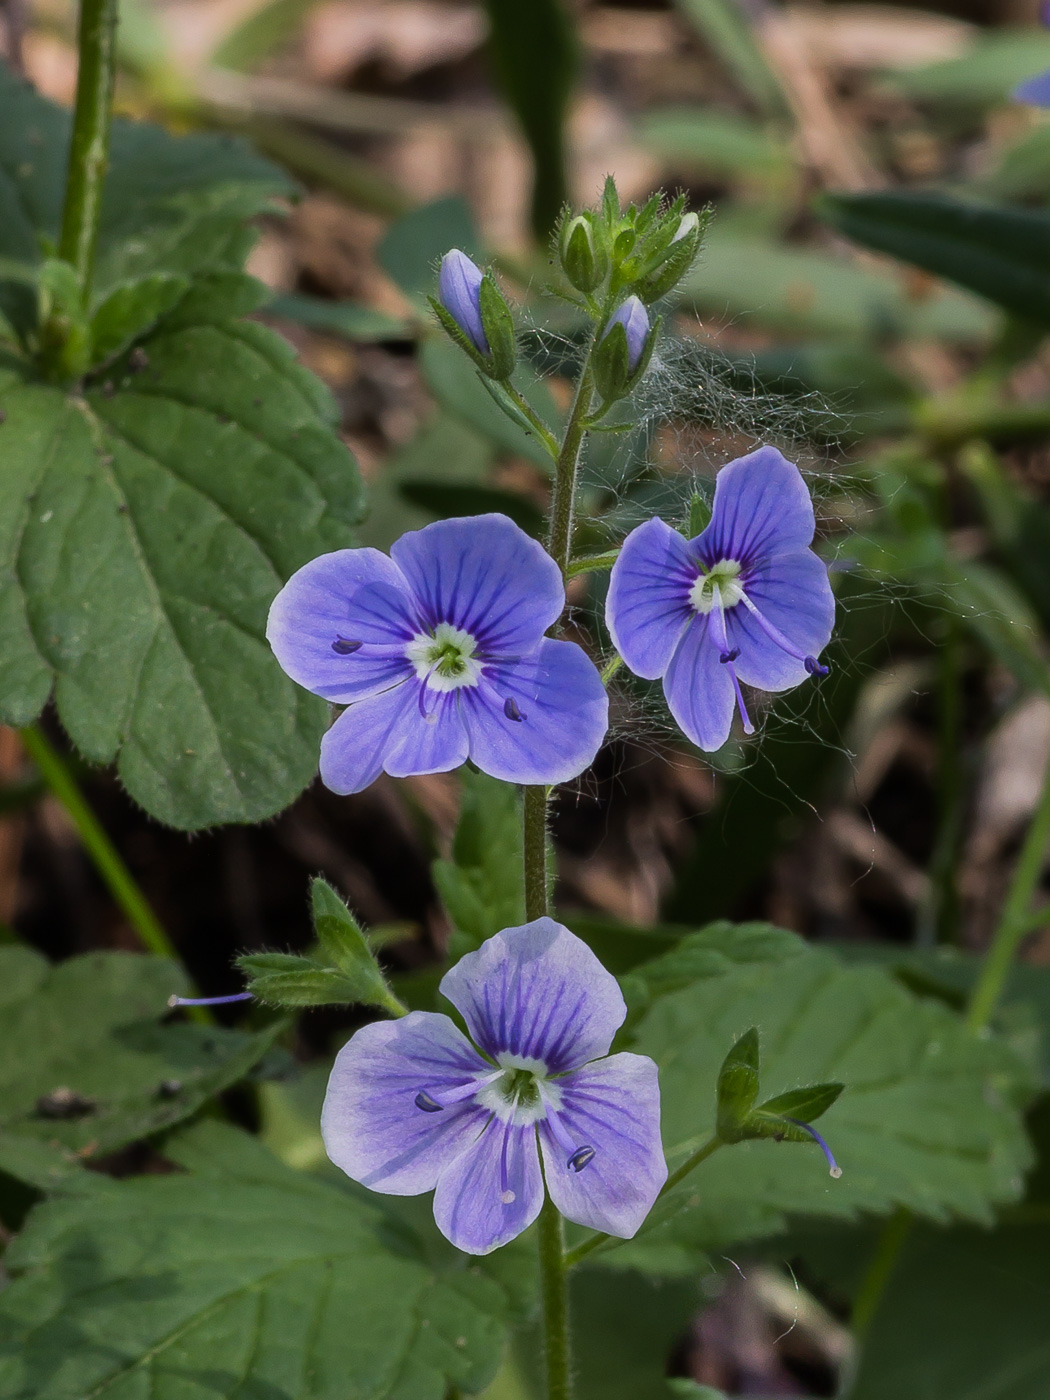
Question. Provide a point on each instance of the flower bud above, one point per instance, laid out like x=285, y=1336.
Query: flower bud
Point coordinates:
x=622, y=353
x=459, y=287
x=688, y=225
x=676, y=260
x=583, y=256
x=634, y=319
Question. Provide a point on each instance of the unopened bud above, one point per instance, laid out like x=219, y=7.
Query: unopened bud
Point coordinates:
x=459, y=287
x=583, y=255
x=623, y=351
x=634, y=319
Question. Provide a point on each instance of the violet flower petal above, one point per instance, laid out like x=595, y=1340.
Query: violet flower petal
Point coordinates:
x=699, y=688
x=459, y=281
x=612, y=1106
x=350, y=596
x=555, y=723
x=434, y=743
x=371, y=1125
x=537, y=991
x=492, y=1192
x=647, y=608
x=1035, y=91
x=485, y=575
x=793, y=593
x=634, y=318
x=761, y=507
x=355, y=748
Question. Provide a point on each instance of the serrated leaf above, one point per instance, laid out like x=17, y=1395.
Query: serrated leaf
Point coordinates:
x=930, y=1118
x=132, y=309
x=95, y=1067
x=483, y=885
x=139, y=556
x=238, y=1273
x=171, y=204
x=1001, y=254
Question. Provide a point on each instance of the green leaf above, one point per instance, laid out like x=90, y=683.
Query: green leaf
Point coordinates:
x=743, y=276
x=171, y=204
x=1002, y=254
x=239, y=1274
x=726, y=27
x=737, y=1087
x=132, y=309
x=929, y=1120
x=964, y=1318
x=453, y=498
x=713, y=142
x=457, y=386
x=535, y=56
x=345, y=318
x=414, y=245
x=95, y=1067
x=997, y=61
x=483, y=886
x=139, y=557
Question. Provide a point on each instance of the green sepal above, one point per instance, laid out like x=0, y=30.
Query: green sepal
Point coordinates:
x=451, y=326
x=613, y=377
x=806, y=1104
x=287, y=980
x=499, y=329
x=699, y=516
x=673, y=263
x=737, y=1087
x=584, y=256
x=343, y=942
x=610, y=202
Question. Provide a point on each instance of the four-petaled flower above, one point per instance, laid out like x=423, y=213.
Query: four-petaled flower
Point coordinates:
x=413, y=1106
x=439, y=654
x=747, y=600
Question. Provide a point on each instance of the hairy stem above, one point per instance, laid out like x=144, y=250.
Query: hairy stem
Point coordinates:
x=534, y=821
x=565, y=469
x=89, y=148
x=1015, y=920
x=100, y=849
x=555, y=1303
x=573, y=1257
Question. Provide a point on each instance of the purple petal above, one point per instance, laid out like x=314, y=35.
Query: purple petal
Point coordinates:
x=793, y=593
x=355, y=749
x=459, y=281
x=613, y=1107
x=648, y=607
x=538, y=720
x=537, y=990
x=371, y=1125
x=337, y=601
x=699, y=689
x=634, y=318
x=493, y=1191
x=1035, y=91
x=762, y=507
x=483, y=574
x=432, y=743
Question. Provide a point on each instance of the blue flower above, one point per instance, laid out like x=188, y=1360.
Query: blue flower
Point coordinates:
x=747, y=600
x=1035, y=91
x=438, y=653
x=413, y=1106
x=459, y=287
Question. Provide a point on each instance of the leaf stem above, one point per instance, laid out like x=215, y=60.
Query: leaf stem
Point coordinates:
x=553, y=1280
x=565, y=469
x=1015, y=920
x=713, y=1143
x=89, y=147
x=550, y=442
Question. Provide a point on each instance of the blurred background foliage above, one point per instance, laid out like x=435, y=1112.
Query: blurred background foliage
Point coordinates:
x=873, y=295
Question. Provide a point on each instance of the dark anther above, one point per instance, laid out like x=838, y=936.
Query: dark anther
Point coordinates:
x=580, y=1158
x=728, y=656
x=343, y=647
x=426, y=1103
x=814, y=667
x=510, y=709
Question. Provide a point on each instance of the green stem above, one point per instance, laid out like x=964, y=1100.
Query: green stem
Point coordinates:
x=555, y=1302
x=891, y=1241
x=539, y=427
x=592, y=563
x=103, y=853
x=565, y=471
x=89, y=148
x=534, y=821
x=1015, y=920
x=573, y=1257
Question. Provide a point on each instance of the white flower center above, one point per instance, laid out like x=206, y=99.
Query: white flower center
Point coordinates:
x=522, y=1094
x=445, y=659
x=719, y=587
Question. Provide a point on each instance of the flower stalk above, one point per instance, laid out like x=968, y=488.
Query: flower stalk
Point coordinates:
x=89, y=149
x=554, y=1284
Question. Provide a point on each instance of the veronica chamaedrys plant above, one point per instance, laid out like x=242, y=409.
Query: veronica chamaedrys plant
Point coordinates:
x=439, y=654
x=414, y=1106
x=746, y=600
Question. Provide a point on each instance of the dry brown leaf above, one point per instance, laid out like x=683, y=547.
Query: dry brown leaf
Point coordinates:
x=402, y=37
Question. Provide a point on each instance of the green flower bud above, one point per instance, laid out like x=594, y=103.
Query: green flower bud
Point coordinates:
x=584, y=258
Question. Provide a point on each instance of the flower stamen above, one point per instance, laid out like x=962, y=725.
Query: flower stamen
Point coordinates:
x=578, y=1156
x=343, y=646
x=510, y=709
x=726, y=654
x=775, y=635
x=434, y=1100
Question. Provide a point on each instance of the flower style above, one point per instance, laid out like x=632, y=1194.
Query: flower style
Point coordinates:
x=747, y=600
x=439, y=655
x=413, y=1106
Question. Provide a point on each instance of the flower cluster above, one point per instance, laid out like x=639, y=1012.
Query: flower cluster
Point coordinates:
x=414, y=1106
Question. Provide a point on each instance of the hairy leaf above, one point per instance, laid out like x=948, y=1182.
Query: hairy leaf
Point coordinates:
x=235, y=1275
x=483, y=885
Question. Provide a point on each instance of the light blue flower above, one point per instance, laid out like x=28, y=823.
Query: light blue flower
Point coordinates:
x=439, y=655
x=459, y=287
x=414, y=1106
x=747, y=600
